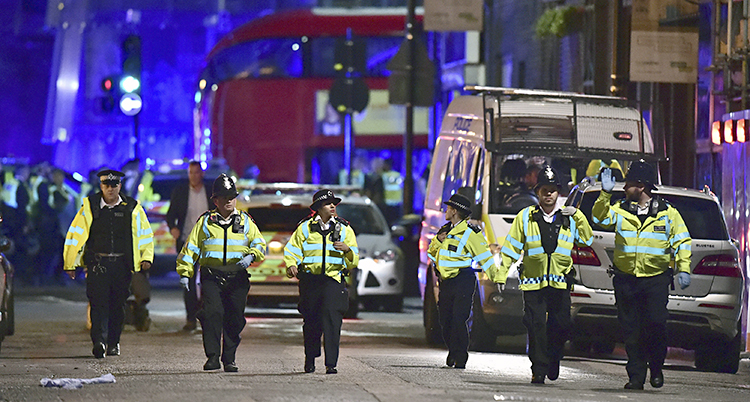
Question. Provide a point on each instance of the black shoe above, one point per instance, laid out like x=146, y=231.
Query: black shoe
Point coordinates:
x=634, y=385
x=231, y=368
x=553, y=371
x=331, y=370
x=460, y=365
x=450, y=361
x=113, y=350
x=212, y=364
x=190, y=326
x=309, y=365
x=537, y=379
x=98, y=350
x=657, y=379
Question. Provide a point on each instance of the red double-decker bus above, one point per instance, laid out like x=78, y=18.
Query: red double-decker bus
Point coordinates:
x=263, y=96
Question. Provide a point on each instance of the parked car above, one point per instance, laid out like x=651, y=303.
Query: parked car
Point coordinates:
x=705, y=317
x=7, y=318
x=277, y=210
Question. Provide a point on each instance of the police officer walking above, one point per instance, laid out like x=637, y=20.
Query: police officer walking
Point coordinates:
x=320, y=253
x=648, y=233
x=111, y=238
x=452, y=250
x=224, y=242
x=544, y=235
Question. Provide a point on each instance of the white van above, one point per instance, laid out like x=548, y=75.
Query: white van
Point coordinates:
x=488, y=142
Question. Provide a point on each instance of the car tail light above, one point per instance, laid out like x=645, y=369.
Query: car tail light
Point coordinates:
x=585, y=256
x=719, y=265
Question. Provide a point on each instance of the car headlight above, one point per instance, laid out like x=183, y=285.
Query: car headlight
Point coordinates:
x=385, y=255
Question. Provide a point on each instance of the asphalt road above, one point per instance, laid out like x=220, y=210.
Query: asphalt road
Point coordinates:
x=383, y=358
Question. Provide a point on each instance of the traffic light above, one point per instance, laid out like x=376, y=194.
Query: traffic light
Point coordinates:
x=130, y=81
x=107, y=102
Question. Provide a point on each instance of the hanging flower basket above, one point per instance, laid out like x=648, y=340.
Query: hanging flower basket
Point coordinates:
x=560, y=21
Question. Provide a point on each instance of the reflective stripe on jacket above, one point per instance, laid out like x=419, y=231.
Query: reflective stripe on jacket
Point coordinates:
x=539, y=268
x=305, y=250
x=645, y=249
x=212, y=245
x=78, y=234
x=461, y=246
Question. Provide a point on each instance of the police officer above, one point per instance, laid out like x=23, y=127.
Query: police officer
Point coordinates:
x=224, y=241
x=545, y=234
x=648, y=233
x=393, y=192
x=452, y=250
x=321, y=252
x=110, y=237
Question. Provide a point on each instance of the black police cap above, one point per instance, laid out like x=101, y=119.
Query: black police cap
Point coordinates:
x=321, y=197
x=110, y=174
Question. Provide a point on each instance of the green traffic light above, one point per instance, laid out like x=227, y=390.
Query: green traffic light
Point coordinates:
x=129, y=84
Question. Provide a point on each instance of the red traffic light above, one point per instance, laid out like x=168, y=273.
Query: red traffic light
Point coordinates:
x=107, y=84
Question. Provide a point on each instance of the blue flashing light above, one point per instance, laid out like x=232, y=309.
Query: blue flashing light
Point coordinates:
x=77, y=176
x=295, y=46
x=197, y=96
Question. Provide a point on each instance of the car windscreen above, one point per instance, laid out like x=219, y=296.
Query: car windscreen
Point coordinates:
x=363, y=218
x=278, y=218
x=702, y=217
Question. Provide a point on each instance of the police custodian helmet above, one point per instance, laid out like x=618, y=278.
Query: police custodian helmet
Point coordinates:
x=461, y=203
x=547, y=177
x=224, y=187
x=642, y=172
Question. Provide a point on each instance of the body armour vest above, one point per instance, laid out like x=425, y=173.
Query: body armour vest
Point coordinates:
x=111, y=232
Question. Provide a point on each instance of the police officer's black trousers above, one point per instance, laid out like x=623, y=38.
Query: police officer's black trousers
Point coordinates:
x=642, y=312
x=322, y=303
x=107, y=288
x=454, y=309
x=546, y=315
x=223, y=313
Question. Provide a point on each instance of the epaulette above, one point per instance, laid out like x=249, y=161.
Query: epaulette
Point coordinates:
x=248, y=215
x=474, y=227
x=305, y=219
x=342, y=221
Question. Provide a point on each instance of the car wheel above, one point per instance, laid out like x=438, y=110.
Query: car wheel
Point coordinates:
x=393, y=304
x=370, y=304
x=430, y=315
x=482, y=337
x=721, y=356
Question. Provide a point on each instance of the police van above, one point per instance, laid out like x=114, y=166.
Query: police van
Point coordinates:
x=490, y=146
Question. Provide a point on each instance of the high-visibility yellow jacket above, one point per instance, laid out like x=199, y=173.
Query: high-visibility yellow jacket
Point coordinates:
x=78, y=234
x=212, y=244
x=645, y=249
x=539, y=268
x=463, y=244
x=393, y=192
x=305, y=249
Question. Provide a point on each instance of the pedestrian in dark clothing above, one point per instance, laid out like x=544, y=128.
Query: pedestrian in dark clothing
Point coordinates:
x=189, y=200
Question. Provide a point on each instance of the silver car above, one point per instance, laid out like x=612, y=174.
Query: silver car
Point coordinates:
x=705, y=317
x=278, y=208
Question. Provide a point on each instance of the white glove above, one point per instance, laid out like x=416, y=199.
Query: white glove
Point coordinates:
x=568, y=211
x=245, y=262
x=185, y=282
x=683, y=278
x=608, y=181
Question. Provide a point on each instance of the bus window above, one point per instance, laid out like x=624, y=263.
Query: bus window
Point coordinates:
x=379, y=50
x=263, y=58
